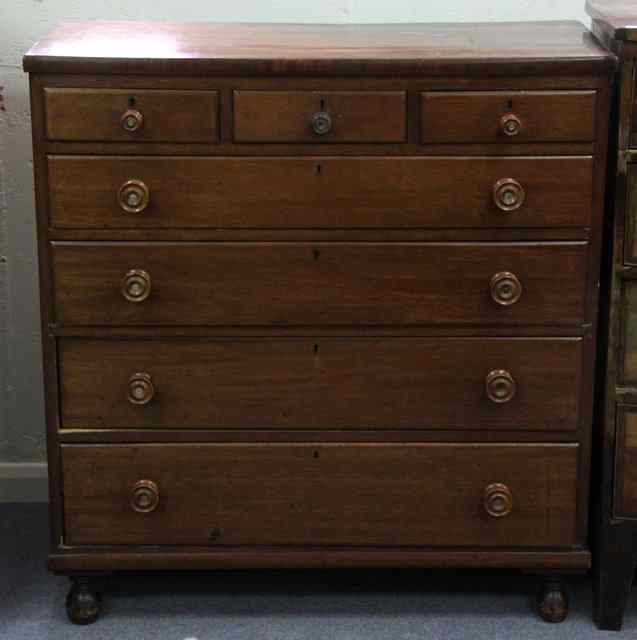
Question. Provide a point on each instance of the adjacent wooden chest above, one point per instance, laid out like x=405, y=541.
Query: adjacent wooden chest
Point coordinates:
x=616, y=485
x=319, y=296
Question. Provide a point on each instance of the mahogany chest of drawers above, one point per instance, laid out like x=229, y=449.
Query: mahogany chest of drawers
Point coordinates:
x=319, y=296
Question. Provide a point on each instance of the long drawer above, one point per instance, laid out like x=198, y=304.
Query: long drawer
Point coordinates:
x=335, y=383
x=321, y=494
x=282, y=284
x=323, y=192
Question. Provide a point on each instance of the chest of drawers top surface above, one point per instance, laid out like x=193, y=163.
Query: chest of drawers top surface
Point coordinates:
x=279, y=49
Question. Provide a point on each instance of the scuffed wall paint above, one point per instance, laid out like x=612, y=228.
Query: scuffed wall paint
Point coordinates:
x=22, y=22
x=23, y=419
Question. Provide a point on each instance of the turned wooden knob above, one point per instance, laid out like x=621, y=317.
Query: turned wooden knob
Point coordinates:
x=136, y=285
x=140, y=389
x=133, y=196
x=500, y=386
x=497, y=500
x=144, y=496
x=132, y=120
x=510, y=124
x=321, y=123
x=508, y=194
x=506, y=289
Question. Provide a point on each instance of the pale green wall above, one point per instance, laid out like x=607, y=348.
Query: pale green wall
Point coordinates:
x=24, y=21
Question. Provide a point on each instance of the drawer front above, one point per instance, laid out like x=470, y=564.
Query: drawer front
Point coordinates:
x=323, y=192
x=281, y=284
x=630, y=244
x=628, y=333
x=371, y=383
x=626, y=462
x=131, y=115
x=499, y=116
x=312, y=116
x=320, y=494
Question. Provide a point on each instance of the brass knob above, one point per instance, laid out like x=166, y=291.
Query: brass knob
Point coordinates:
x=144, y=496
x=136, y=285
x=133, y=196
x=506, y=289
x=132, y=120
x=497, y=500
x=321, y=123
x=500, y=386
x=140, y=389
x=508, y=194
x=510, y=124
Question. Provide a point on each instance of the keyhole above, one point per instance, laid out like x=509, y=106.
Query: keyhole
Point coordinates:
x=316, y=454
x=318, y=168
x=316, y=348
x=322, y=104
x=510, y=104
x=131, y=101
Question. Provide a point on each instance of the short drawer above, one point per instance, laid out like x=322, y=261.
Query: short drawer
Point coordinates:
x=324, y=192
x=131, y=115
x=327, y=116
x=321, y=494
x=514, y=116
x=282, y=284
x=283, y=383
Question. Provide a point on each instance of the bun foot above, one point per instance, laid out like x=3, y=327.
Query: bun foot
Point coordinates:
x=552, y=602
x=82, y=603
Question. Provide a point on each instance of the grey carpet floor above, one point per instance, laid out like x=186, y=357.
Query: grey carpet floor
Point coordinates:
x=279, y=605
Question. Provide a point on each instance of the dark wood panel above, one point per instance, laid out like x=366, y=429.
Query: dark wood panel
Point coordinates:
x=279, y=49
x=282, y=284
x=630, y=215
x=626, y=462
x=179, y=434
x=131, y=559
x=383, y=383
x=319, y=193
x=79, y=114
x=481, y=116
x=627, y=339
x=347, y=116
x=199, y=234
x=325, y=494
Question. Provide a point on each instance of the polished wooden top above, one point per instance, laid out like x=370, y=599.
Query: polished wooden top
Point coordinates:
x=209, y=48
x=619, y=17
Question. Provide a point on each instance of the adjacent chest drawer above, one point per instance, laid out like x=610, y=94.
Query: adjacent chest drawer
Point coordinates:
x=625, y=499
x=515, y=116
x=279, y=284
x=630, y=216
x=323, y=192
x=131, y=115
x=321, y=494
x=415, y=383
x=312, y=116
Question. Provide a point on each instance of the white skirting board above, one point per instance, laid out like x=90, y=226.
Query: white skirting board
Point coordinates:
x=23, y=482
